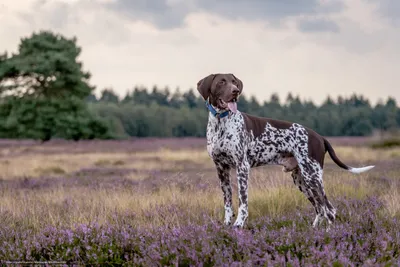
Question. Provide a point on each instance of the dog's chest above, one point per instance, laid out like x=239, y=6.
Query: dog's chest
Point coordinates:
x=225, y=140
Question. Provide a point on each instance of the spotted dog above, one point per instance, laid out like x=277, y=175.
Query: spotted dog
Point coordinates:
x=236, y=140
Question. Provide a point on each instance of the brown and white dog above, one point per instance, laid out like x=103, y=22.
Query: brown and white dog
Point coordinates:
x=242, y=141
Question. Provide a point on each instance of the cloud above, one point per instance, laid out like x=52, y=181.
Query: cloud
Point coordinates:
x=86, y=18
x=167, y=14
x=269, y=9
x=162, y=13
x=58, y=14
x=317, y=25
x=389, y=9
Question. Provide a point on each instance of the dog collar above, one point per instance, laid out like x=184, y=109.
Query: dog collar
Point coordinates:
x=216, y=113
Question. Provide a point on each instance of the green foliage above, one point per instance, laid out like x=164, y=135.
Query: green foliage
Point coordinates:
x=41, y=118
x=46, y=65
x=145, y=112
x=43, y=91
x=128, y=119
x=108, y=95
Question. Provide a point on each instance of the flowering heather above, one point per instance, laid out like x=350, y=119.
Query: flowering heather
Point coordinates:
x=362, y=235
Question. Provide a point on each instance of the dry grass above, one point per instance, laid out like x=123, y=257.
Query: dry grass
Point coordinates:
x=178, y=155
x=62, y=206
x=55, y=164
x=271, y=191
x=77, y=205
x=365, y=155
x=392, y=200
x=68, y=206
x=41, y=164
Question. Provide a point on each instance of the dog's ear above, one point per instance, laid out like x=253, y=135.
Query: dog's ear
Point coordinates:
x=240, y=83
x=204, y=85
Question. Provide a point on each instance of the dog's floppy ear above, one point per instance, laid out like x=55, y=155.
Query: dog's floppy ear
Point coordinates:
x=204, y=85
x=240, y=83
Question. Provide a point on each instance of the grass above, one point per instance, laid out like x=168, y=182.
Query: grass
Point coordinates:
x=391, y=199
x=271, y=192
x=34, y=165
x=387, y=143
x=50, y=187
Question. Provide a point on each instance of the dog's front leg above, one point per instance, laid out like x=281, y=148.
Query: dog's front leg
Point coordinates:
x=225, y=182
x=242, y=173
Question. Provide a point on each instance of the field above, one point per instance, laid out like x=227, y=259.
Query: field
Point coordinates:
x=157, y=202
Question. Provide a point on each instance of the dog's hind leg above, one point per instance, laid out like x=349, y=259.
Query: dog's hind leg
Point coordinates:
x=298, y=180
x=311, y=173
x=309, y=180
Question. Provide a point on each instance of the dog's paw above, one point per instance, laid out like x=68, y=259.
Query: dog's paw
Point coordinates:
x=238, y=224
x=227, y=223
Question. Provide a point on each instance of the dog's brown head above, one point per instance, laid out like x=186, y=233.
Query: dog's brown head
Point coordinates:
x=222, y=90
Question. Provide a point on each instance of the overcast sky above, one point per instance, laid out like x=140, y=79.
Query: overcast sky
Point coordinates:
x=308, y=47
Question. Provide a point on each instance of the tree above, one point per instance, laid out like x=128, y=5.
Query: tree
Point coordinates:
x=328, y=102
x=46, y=65
x=176, y=99
x=141, y=96
x=43, y=90
x=108, y=95
x=254, y=105
x=275, y=100
x=289, y=98
x=128, y=97
x=91, y=98
x=398, y=117
x=391, y=114
x=190, y=99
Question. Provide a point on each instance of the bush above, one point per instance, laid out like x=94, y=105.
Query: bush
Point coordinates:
x=388, y=143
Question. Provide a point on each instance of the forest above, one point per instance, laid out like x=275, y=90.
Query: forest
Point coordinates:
x=159, y=112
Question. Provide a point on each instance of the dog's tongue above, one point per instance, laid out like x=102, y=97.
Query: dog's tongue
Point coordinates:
x=232, y=106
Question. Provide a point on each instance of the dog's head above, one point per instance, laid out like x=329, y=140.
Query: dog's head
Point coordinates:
x=222, y=90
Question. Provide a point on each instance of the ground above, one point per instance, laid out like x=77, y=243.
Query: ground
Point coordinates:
x=158, y=201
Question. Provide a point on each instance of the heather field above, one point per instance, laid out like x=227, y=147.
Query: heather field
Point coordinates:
x=157, y=202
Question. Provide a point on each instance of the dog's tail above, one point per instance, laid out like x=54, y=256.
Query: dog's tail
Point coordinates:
x=335, y=158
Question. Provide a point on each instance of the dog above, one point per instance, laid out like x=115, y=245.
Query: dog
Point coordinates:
x=236, y=140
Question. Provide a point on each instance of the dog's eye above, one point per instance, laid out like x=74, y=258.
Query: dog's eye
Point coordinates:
x=221, y=81
x=234, y=82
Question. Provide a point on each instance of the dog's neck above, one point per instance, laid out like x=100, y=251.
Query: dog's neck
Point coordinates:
x=217, y=112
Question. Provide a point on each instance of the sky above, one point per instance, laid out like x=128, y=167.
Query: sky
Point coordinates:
x=311, y=48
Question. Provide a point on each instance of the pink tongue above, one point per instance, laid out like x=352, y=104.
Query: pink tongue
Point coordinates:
x=232, y=106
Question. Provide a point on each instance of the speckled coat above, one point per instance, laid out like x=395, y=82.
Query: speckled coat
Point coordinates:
x=231, y=144
x=241, y=141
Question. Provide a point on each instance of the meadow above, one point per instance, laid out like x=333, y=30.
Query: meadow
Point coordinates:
x=157, y=202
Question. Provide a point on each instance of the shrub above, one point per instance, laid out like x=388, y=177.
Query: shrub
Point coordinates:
x=388, y=143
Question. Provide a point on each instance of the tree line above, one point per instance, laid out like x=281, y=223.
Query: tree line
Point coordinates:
x=161, y=112
x=45, y=94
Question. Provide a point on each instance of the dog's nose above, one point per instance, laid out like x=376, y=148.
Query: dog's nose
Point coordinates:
x=235, y=91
